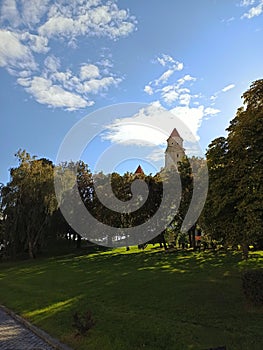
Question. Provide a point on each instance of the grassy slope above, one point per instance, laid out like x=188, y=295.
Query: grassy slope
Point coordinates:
x=140, y=300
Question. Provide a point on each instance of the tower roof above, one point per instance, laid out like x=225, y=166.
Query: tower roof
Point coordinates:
x=139, y=170
x=175, y=133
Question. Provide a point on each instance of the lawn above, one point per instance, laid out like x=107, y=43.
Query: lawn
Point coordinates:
x=139, y=300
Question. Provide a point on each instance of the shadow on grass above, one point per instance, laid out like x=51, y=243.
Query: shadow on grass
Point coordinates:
x=197, y=296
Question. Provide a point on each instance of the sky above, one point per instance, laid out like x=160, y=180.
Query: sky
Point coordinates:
x=66, y=66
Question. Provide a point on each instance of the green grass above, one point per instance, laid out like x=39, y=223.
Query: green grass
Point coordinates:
x=140, y=300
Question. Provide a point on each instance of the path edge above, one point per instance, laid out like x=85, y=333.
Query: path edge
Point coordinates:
x=55, y=343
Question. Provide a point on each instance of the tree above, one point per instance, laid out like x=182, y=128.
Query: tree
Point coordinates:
x=219, y=208
x=245, y=141
x=233, y=209
x=28, y=200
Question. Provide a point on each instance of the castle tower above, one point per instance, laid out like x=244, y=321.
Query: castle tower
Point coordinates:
x=174, y=151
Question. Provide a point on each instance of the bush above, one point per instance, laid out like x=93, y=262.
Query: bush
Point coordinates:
x=252, y=282
x=83, y=322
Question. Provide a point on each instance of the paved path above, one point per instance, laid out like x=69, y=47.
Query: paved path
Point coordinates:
x=18, y=334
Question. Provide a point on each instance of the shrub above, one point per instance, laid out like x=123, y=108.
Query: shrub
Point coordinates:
x=83, y=322
x=252, y=282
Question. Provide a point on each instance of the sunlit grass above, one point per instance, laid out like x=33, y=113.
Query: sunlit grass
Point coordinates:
x=139, y=299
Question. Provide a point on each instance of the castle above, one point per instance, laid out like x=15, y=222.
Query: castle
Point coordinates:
x=174, y=152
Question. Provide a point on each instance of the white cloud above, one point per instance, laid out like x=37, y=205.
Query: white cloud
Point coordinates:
x=170, y=95
x=152, y=125
x=32, y=24
x=211, y=111
x=64, y=89
x=10, y=13
x=106, y=63
x=165, y=60
x=89, y=71
x=164, y=77
x=34, y=10
x=185, y=104
x=13, y=53
x=66, y=78
x=24, y=74
x=24, y=81
x=83, y=19
x=228, y=87
x=36, y=43
x=54, y=96
x=192, y=118
x=29, y=13
x=134, y=134
x=253, y=11
x=185, y=99
x=172, y=92
x=52, y=63
x=58, y=26
x=214, y=97
x=247, y=2
x=148, y=90
x=173, y=66
x=185, y=79
x=93, y=86
x=156, y=155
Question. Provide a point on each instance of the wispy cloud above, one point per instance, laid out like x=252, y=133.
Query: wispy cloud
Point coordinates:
x=174, y=91
x=228, y=87
x=181, y=98
x=255, y=8
x=29, y=27
x=148, y=89
x=224, y=89
x=171, y=66
x=210, y=111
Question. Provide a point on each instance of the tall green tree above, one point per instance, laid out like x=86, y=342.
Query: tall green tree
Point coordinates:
x=245, y=141
x=233, y=209
x=219, y=210
x=28, y=200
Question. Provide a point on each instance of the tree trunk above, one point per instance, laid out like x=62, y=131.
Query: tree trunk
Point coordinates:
x=78, y=241
x=190, y=238
x=31, y=250
x=163, y=241
x=245, y=250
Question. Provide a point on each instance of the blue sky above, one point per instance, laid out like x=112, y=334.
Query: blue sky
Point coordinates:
x=62, y=60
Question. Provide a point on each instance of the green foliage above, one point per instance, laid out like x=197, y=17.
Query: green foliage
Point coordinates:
x=233, y=210
x=27, y=202
x=252, y=283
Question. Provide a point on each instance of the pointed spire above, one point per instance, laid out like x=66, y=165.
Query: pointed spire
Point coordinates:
x=139, y=170
x=175, y=133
